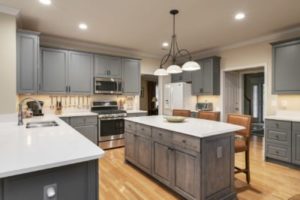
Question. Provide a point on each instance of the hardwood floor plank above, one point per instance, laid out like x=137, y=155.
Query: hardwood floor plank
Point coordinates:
x=269, y=181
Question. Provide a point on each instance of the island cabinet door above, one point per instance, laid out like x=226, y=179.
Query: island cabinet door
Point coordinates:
x=144, y=148
x=162, y=163
x=296, y=144
x=187, y=174
x=130, y=144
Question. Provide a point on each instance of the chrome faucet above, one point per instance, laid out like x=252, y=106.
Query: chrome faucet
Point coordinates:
x=20, y=114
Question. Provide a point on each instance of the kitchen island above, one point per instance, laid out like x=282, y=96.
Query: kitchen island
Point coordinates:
x=194, y=158
x=46, y=162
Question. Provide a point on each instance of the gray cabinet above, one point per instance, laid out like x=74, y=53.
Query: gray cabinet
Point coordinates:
x=53, y=75
x=80, y=72
x=76, y=182
x=206, y=81
x=27, y=62
x=296, y=143
x=107, y=66
x=86, y=125
x=185, y=76
x=131, y=75
x=130, y=143
x=143, y=153
x=286, y=67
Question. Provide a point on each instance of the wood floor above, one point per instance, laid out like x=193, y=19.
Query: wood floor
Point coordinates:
x=269, y=181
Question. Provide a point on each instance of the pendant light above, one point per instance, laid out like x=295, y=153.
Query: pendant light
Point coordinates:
x=174, y=53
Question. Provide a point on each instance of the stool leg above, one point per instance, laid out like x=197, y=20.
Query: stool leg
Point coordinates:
x=247, y=166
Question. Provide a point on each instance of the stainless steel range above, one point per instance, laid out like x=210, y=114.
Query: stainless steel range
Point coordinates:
x=110, y=124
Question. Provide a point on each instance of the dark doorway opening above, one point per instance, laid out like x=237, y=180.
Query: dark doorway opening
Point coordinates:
x=254, y=100
x=149, y=94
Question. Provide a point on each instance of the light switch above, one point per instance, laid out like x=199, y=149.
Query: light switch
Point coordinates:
x=219, y=152
x=50, y=192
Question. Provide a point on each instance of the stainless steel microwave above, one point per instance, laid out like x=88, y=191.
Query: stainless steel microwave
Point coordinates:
x=107, y=86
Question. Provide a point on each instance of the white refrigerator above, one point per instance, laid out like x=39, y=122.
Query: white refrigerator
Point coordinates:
x=178, y=96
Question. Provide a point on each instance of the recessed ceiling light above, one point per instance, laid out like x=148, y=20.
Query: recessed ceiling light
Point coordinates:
x=240, y=16
x=165, y=44
x=45, y=2
x=82, y=26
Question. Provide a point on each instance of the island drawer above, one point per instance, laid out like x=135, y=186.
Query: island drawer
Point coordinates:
x=143, y=130
x=278, y=136
x=279, y=152
x=161, y=135
x=187, y=142
x=278, y=125
x=83, y=121
x=296, y=126
x=130, y=126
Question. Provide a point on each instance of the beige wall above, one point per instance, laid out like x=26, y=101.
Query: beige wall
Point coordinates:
x=7, y=63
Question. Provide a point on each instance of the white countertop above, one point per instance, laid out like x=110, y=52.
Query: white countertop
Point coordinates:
x=77, y=114
x=27, y=150
x=191, y=126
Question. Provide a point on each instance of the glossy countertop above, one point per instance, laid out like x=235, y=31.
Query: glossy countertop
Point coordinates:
x=25, y=150
x=191, y=126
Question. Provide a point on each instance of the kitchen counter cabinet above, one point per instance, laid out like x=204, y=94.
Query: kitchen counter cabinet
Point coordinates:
x=196, y=166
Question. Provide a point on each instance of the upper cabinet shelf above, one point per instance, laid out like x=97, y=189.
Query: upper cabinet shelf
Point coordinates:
x=286, y=67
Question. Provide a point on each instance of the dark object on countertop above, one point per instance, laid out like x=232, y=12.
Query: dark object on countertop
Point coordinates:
x=32, y=105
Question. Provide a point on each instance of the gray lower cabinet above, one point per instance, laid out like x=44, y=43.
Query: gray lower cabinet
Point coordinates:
x=206, y=81
x=86, y=125
x=53, y=74
x=76, y=182
x=27, y=62
x=131, y=76
x=195, y=168
x=80, y=73
x=286, y=67
x=107, y=66
x=282, y=141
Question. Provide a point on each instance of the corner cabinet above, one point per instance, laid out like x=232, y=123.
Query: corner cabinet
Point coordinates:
x=286, y=67
x=27, y=62
x=131, y=76
x=107, y=66
x=206, y=81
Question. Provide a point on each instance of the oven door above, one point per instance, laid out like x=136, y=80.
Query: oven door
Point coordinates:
x=107, y=86
x=110, y=129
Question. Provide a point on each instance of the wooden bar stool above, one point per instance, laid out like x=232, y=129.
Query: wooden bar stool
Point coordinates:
x=183, y=113
x=242, y=142
x=209, y=115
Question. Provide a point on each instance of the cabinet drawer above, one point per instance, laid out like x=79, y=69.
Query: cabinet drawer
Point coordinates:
x=278, y=125
x=296, y=126
x=83, y=121
x=279, y=152
x=278, y=136
x=161, y=135
x=143, y=130
x=186, y=142
x=130, y=127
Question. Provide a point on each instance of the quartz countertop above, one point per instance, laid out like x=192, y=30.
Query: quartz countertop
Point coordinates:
x=191, y=126
x=25, y=150
x=77, y=114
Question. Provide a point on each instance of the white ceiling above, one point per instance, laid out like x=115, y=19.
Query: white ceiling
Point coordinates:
x=142, y=25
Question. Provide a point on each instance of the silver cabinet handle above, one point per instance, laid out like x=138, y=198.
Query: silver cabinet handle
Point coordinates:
x=51, y=192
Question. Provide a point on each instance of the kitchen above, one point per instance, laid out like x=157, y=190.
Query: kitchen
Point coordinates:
x=42, y=57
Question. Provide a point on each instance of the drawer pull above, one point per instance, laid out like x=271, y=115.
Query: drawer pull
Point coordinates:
x=183, y=141
x=277, y=137
x=160, y=134
x=277, y=125
x=142, y=129
x=277, y=152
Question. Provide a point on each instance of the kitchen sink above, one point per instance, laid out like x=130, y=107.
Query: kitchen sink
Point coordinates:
x=41, y=124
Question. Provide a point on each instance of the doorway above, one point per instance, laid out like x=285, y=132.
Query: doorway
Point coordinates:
x=149, y=94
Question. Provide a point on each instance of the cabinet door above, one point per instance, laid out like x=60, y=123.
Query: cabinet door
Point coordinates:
x=207, y=67
x=53, y=70
x=187, y=76
x=27, y=63
x=144, y=152
x=175, y=78
x=130, y=144
x=131, y=77
x=296, y=146
x=80, y=73
x=101, y=66
x=115, y=67
x=197, y=81
x=162, y=163
x=187, y=175
x=90, y=132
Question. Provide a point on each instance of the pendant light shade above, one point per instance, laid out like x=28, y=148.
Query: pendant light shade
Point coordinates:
x=174, y=69
x=160, y=72
x=191, y=66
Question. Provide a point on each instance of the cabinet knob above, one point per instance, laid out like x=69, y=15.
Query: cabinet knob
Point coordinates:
x=51, y=192
x=160, y=134
x=277, y=125
x=183, y=141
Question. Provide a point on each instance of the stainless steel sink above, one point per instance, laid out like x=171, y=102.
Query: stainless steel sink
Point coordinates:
x=41, y=124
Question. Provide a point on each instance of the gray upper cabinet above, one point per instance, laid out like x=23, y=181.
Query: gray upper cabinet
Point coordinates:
x=131, y=75
x=206, y=81
x=27, y=62
x=182, y=77
x=80, y=72
x=53, y=77
x=107, y=66
x=286, y=67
